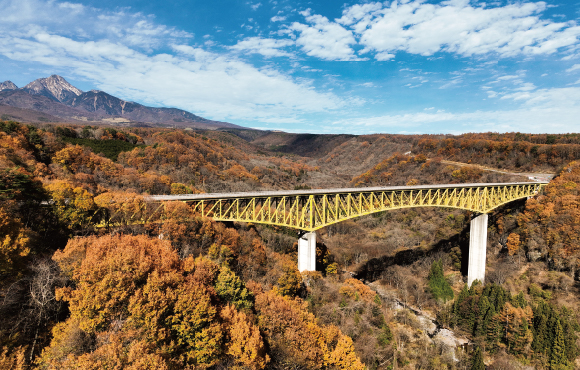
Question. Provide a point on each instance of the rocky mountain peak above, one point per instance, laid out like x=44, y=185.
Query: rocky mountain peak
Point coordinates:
x=54, y=87
x=8, y=85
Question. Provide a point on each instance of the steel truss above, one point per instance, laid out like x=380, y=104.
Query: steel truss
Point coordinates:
x=312, y=210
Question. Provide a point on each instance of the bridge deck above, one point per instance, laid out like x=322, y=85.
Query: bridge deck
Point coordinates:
x=258, y=194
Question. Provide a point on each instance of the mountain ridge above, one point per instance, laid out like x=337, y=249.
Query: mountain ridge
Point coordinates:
x=56, y=97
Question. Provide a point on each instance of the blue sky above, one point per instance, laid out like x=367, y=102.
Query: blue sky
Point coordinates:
x=314, y=66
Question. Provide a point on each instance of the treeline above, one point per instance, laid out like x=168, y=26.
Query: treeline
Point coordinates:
x=145, y=160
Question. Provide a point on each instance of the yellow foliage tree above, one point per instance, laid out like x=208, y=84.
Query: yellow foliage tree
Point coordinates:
x=14, y=360
x=122, y=207
x=74, y=206
x=243, y=340
x=14, y=241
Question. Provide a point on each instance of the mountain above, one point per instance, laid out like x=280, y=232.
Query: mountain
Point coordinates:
x=53, y=87
x=8, y=85
x=54, y=97
x=101, y=103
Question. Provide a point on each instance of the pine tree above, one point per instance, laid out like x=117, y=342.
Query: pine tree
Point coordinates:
x=455, y=319
x=483, y=307
x=477, y=360
x=540, y=329
x=439, y=287
x=519, y=300
x=493, y=328
x=558, y=358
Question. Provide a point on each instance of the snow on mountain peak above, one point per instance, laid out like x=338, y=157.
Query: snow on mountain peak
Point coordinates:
x=54, y=86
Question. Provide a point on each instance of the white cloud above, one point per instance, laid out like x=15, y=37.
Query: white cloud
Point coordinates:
x=457, y=27
x=324, y=39
x=215, y=86
x=507, y=77
x=256, y=6
x=266, y=47
x=573, y=68
x=368, y=84
x=278, y=18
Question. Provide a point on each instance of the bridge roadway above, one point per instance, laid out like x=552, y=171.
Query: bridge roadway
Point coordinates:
x=288, y=193
x=312, y=209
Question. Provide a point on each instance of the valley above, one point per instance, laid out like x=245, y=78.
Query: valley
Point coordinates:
x=190, y=292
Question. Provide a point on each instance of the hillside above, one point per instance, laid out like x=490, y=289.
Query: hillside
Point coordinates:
x=189, y=292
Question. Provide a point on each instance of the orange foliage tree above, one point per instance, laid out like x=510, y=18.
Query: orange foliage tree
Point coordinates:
x=141, y=306
x=513, y=244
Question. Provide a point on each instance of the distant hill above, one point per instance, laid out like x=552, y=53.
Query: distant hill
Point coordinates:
x=54, y=99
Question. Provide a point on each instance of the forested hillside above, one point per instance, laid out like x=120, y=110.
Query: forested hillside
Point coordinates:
x=189, y=292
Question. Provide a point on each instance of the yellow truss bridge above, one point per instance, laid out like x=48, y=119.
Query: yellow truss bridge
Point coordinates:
x=310, y=210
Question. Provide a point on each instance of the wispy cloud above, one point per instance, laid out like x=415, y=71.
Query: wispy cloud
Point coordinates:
x=126, y=54
x=548, y=110
x=265, y=47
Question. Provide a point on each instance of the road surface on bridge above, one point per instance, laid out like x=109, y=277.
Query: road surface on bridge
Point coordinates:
x=278, y=193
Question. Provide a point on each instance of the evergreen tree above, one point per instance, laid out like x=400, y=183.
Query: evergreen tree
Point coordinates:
x=480, y=325
x=439, y=287
x=540, y=330
x=457, y=304
x=519, y=300
x=477, y=360
x=493, y=328
x=558, y=358
x=552, y=321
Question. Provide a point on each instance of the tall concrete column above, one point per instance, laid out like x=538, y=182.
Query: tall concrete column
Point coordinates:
x=477, y=249
x=307, y=252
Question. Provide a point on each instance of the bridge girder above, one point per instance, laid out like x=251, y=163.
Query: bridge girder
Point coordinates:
x=313, y=212
x=310, y=212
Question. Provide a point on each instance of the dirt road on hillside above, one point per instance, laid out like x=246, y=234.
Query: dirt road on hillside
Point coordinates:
x=529, y=175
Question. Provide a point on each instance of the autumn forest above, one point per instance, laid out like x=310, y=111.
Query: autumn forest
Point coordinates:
x=187, y=292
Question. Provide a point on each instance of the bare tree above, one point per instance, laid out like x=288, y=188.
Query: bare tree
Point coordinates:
x=42, y=303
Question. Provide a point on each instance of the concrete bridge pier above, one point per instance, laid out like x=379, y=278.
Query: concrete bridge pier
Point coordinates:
x=307, y=252
x=477, y=249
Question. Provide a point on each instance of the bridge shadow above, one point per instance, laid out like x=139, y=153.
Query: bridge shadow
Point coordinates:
x=373, y=269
